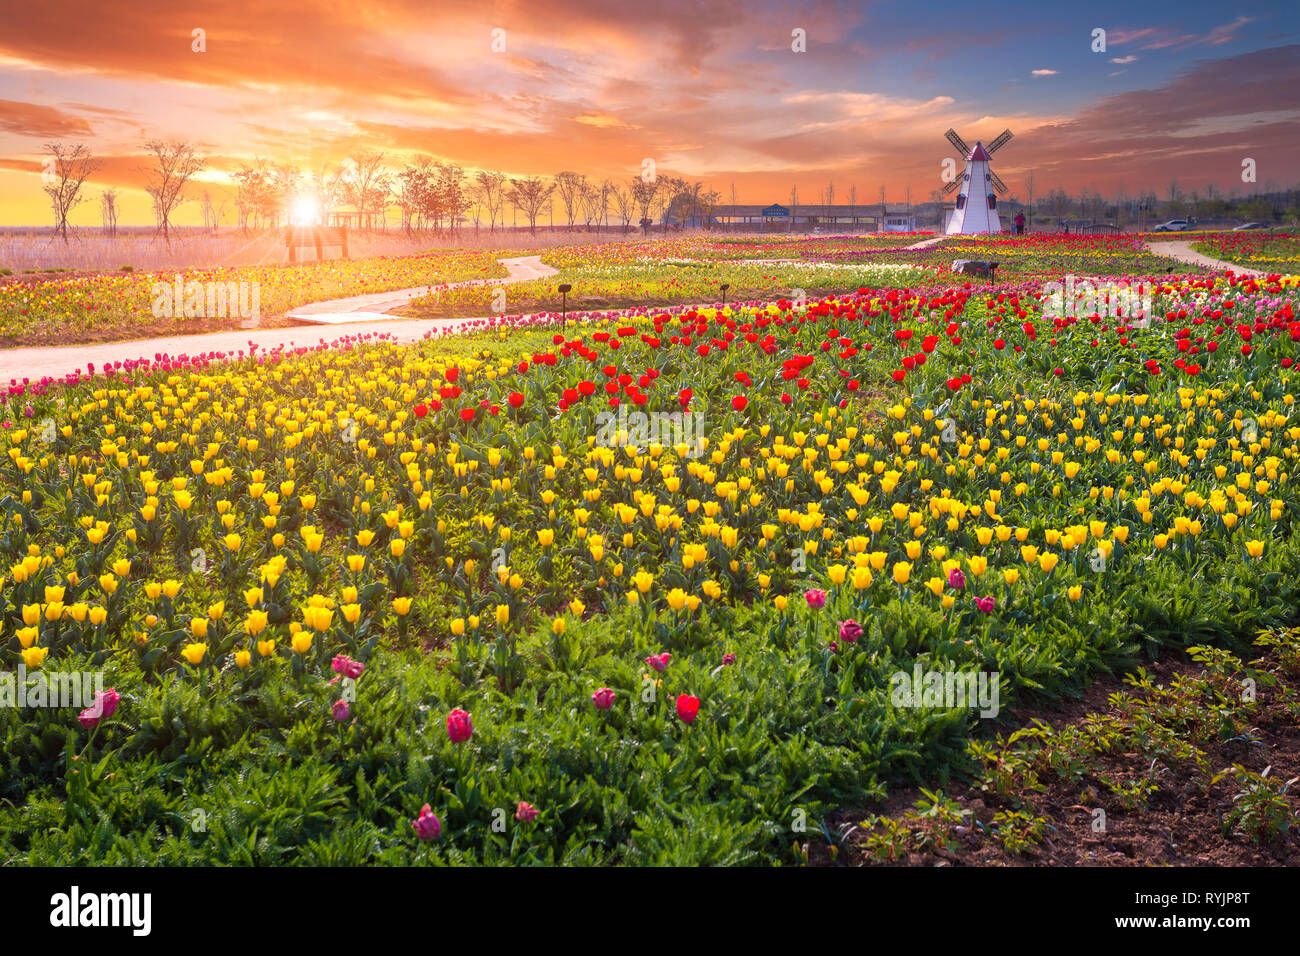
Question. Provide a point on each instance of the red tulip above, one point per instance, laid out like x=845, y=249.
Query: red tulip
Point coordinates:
x=516, y=399
x=688, y=707
x=739, y=403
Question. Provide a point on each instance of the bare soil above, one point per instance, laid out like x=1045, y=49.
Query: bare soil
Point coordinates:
x=1182, y=825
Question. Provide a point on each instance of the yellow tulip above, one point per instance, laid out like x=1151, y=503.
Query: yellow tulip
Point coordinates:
x=194, y=653
x=34, y=657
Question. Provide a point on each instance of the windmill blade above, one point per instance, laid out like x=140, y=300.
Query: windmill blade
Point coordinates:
x=998, y=184
x=958, y=142
x=1002, y=139
x=951, y=186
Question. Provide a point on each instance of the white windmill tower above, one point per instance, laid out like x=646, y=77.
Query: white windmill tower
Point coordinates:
x=977, y=201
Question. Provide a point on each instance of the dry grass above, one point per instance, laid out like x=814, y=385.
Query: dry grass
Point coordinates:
x=89, y=251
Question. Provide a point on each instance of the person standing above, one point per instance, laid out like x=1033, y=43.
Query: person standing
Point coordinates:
x=1020, y=224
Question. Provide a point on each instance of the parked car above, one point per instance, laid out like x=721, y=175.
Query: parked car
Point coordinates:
x=1173, y=225
x=1250, y=225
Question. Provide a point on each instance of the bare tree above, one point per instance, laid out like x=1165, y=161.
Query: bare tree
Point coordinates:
x=452, y=195
x=708, y=202
x=794, y=205
x=1058, y=202
x=370, y=185
x=252, y=185
x=853, y=204
x=529, y=196
x=65, y=173
x=1029, y=186
x=175, y=163
x=108, y=211
x=491, y=187
x=623, y=203
x=411, y=192
x=212, y=213
x=643, y=198
x=570, y=186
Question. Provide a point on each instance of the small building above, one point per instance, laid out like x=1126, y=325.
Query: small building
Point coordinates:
x=898, y=222
x=784, y=217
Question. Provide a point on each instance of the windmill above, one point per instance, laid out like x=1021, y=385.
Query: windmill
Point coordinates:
x=977, y=203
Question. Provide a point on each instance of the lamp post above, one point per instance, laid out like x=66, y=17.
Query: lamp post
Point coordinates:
x=725, y=286
x=565, y=289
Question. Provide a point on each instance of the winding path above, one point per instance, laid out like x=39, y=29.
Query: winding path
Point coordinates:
x=361, y=315
x=1182, y=251
x=361, y=308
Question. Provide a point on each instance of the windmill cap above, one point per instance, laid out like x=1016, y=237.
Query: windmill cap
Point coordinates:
x=978, y=155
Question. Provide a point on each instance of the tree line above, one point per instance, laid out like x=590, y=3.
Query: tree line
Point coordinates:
x=444, y=198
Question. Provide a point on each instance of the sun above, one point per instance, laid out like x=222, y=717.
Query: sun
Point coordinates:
x=305, y=211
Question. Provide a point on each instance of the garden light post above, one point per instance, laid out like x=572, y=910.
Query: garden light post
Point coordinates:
x=565, y=289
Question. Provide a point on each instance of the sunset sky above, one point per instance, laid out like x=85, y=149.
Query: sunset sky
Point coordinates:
x=712, y=91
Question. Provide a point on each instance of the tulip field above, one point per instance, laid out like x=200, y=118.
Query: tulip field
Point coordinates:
x=631, y=589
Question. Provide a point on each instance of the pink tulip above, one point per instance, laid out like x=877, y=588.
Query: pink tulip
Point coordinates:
x=603, y=698
x=104, y=706
x=340, y=710
x=426, y=824
x=659, y=661
x=985, y=604
x=459, y=726
x=850, y=631
x=956, y=579
x=525, y=812
x=816, y=599
x=346, y=666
